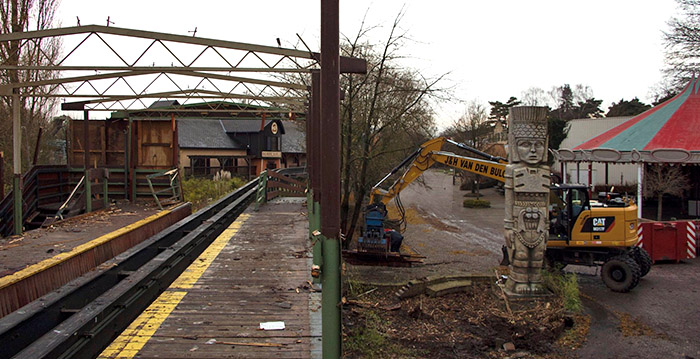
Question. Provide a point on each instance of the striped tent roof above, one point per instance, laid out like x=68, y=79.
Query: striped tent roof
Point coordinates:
x=668, y=132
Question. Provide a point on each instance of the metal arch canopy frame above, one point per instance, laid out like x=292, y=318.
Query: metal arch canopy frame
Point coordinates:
x=299, y=61
x=94, y=29
x=226, y=87
x=347, y=64
x=109, y=83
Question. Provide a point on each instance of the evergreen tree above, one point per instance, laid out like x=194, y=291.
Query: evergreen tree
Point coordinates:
x=627, y=108
x=499, y=110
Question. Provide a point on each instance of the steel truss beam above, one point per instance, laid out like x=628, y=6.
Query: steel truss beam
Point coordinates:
x=113, y=85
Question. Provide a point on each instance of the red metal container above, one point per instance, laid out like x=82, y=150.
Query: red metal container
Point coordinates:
x=668, y=241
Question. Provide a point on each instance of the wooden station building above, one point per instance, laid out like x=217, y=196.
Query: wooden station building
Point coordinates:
x=132, y=152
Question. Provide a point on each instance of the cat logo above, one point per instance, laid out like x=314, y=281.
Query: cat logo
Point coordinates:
x=598, y=224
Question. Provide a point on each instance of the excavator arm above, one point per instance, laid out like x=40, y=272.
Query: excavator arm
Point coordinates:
x=429, y=154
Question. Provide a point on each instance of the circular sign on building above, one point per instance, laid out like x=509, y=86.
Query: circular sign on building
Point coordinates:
x=273, y=128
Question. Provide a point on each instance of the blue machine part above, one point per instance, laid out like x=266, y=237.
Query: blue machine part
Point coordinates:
x=373, y=239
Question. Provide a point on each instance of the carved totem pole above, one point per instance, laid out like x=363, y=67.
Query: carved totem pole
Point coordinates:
x=527, y=196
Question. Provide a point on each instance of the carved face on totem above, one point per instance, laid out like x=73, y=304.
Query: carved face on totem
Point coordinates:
x=531, y=150
x=527, y=135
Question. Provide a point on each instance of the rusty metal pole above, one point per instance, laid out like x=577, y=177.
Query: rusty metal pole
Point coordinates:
x=86, y=146
x=330, y=179
x=17, y=163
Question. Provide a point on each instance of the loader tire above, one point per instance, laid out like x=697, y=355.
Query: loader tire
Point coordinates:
x=643, y=259
x=621, y=273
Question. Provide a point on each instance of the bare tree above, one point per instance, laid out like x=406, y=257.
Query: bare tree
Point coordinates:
x=19, y=16
x=682, y=44
x=534, y=96
x=385, y=115
x=660, y=180
x=474, y=129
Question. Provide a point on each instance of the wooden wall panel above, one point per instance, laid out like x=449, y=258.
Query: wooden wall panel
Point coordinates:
x=155, y=143
x=77, y=148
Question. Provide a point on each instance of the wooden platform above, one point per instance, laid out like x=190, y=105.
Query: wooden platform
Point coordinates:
x=256, y=271
x=17, y=253
x=47, y=258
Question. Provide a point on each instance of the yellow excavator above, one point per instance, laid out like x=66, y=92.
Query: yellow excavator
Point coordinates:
x=582, y=231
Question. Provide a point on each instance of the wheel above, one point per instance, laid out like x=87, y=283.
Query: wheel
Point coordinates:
x=643, y=259
x=621, y=273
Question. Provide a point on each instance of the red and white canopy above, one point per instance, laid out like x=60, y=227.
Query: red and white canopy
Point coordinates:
x=669, y=132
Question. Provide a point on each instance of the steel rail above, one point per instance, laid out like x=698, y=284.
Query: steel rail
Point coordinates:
x=81, y=318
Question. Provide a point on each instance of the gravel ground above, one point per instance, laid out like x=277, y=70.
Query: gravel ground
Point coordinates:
x=453, y=238
x=658, y=319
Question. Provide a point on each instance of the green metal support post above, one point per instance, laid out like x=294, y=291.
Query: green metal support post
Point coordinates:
x=17, y=197
x=330, y=301
x=261, y=194
x=314, y=209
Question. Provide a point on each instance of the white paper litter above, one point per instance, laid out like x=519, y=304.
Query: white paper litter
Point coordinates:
x=272, y=326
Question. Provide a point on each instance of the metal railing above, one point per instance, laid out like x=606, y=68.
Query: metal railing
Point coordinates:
x=280, y=183
x=174, y=189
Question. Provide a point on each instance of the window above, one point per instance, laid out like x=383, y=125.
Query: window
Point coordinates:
x=199, y=166
x=227, y=164
x=272, y=143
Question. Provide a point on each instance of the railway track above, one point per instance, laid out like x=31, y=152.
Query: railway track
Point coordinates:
x=81, y=318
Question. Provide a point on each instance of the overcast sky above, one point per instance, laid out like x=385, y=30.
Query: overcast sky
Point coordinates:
x=492, y=49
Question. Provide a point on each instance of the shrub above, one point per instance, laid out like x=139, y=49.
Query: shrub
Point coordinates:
x=565, y=285
x=477, y=203
x=202, y=191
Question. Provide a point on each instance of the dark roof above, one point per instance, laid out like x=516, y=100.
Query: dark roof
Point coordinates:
x=294, y=139
x=204, y=133
x=164, y=104
x=228, y=105
x=247, y=126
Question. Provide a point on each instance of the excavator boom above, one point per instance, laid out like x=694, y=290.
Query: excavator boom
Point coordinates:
x=429, y=154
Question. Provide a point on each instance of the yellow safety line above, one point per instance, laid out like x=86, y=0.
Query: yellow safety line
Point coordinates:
x=135, y=337
x=60, y=258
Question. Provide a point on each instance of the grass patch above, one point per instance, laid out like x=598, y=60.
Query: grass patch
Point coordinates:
x=202, y=191
x=367, y=340
x=476, y=203
x=565, y=285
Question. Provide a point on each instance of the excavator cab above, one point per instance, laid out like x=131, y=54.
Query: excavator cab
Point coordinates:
x=567, y=202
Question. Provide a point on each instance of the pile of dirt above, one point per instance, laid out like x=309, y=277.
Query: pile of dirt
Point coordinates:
x=471, y=324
